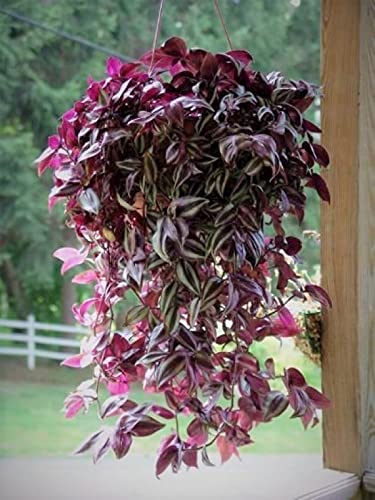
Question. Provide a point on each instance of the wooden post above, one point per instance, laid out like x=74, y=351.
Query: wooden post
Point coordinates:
x=30, y=342
x=347, y=226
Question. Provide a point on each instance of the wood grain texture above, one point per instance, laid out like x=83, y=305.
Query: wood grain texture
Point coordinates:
x=339, y=227
x=348, y=233
x=366, y=248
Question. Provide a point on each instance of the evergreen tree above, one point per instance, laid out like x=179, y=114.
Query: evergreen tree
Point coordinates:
x=42, y=74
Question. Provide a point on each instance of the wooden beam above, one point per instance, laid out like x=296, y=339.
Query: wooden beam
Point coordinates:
x=347, y=226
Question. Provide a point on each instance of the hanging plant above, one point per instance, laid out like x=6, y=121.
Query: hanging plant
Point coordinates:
x=170, y=175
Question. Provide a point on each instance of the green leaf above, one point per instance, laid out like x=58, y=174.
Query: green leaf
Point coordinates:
x=150, y=168
x=124, y=203
x=130, y=164
x=188, y=276
x=159, y=240
x=194, y=309
x=129, y=240
x=222, y=181
x=226, y=215
x=168, y=297
x=135, y=314
x=218, y=238
x=211, y=290
x=186, y=206
x=254, y=166
x=151, y=358
x=157, y=335
x=172, y=320
x=193, y=250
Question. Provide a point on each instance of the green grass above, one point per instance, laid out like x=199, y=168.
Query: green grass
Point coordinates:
x=32, y=423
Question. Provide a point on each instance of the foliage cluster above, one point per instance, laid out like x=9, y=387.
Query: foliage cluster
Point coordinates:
x=171, y=167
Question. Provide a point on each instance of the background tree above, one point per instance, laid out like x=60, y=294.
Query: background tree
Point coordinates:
x=42, y=74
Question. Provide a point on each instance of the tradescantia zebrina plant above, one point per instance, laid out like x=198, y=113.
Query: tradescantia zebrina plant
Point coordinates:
x=170, y=177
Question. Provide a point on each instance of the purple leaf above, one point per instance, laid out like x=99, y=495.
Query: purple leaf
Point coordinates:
x=317, y=398
x=102, y=446
x=89, y=442
x=146, y=426
x=319, y=184
x=178, y=173
x=321, y=155
x=112, y=405
x=295, y=378
x=113, y=66
x=165, y=459
x=120, y=442
x=318, y=293
x=190, y=458
x=275, y=403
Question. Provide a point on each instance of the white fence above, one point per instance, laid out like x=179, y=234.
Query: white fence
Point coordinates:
x=32, y=343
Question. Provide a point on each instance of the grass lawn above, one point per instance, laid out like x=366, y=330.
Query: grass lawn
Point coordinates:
x=32, y=423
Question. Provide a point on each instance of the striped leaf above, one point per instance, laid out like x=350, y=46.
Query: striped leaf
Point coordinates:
x=188, y=276
x=186, y=206
x=169, y=368
x=135, y=314
x=194, y=309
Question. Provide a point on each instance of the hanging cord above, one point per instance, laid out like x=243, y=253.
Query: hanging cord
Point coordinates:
x=158, y=26
x=221, y=17
x=156, y=35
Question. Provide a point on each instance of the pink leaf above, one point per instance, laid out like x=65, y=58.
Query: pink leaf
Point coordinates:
x=86, y=304
x=54, y=141
x=81, y=360
x=73, y=407
x=226, y=449
x=52, y=200
x=285, y=325
x=80, y=311
x=113, y=66
x=73, y=361
x=85, y=277
x=44, y=160
x=120, y=386
x=65, y=253
x=71, y=257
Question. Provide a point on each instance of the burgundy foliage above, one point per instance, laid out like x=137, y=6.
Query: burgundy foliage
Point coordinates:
x=169, y=177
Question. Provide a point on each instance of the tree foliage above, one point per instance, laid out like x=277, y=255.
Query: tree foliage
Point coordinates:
x=43, y=73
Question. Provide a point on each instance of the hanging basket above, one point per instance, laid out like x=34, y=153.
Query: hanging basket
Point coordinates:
x=309, y=340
